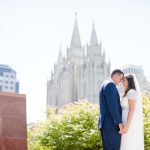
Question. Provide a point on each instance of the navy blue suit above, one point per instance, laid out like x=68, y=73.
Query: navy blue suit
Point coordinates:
x=110, y=116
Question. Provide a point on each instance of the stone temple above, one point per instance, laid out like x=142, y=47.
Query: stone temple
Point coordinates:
x=79, y=75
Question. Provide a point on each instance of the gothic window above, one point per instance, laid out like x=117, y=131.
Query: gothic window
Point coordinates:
x=93, y=64
x=98, y=66
x=84, y=66
x=85, y=90
x=98, y=86
x=102, y=65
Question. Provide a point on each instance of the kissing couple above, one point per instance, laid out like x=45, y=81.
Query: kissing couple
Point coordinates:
x=121, y=118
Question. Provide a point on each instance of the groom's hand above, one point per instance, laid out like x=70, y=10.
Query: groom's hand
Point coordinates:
x=121, y=128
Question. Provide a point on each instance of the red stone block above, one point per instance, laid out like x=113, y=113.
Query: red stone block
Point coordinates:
x=13, y=144
x=13, y=128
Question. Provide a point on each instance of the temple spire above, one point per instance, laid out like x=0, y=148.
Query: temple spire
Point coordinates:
x=60, y=57
x=109, y=61
x=94, y=40
x=75, y=41
x=104, y=55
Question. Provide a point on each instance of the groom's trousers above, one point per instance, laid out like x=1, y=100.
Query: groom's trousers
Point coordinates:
x=111, y=139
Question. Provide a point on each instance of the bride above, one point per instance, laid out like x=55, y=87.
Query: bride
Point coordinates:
x=132, y=115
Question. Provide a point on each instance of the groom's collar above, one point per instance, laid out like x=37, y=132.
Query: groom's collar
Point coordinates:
x=111, y=80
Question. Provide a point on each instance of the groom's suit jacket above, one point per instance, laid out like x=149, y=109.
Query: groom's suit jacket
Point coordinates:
x=110, y=108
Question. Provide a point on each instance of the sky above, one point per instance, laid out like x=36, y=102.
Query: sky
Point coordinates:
x=32, y=32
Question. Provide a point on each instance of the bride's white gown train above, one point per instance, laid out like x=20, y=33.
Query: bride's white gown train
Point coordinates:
x=134, y=138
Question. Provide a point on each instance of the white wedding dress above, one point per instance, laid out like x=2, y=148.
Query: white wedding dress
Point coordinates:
x=134, y=138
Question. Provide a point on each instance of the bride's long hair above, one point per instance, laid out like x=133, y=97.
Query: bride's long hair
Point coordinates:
x=131, y=84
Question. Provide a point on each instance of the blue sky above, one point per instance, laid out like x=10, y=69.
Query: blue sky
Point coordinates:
x=31, y=32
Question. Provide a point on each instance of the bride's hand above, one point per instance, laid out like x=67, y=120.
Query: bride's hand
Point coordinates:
x=125, y=128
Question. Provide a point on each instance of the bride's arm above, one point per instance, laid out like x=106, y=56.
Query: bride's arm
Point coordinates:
x=131, y=103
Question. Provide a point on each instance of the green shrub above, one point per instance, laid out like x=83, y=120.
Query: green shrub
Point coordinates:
x=146, y=110
x=74, y=127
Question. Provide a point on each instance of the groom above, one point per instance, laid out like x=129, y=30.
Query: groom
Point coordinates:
x=110, y=120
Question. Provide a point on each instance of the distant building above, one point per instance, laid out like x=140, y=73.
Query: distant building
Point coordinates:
x=8, y=81
x=79, y=75
x=139, y=72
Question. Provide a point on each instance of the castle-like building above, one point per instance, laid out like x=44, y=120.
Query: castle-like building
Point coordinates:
x=80, y=74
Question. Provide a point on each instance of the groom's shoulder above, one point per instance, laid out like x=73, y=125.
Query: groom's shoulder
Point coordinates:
x=108, y=83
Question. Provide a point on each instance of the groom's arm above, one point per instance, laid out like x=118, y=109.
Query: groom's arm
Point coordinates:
x=112, y=104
